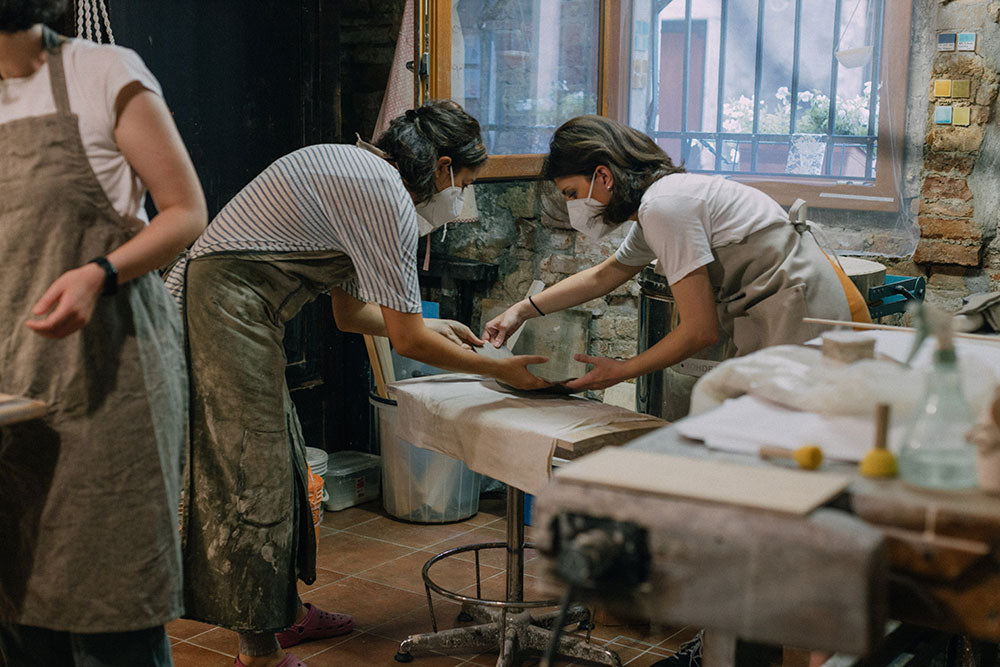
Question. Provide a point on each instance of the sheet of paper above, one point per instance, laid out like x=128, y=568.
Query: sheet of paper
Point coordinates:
x=746, y=424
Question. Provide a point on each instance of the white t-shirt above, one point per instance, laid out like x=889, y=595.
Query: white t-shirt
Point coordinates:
x=682, y=217
x=95, y=74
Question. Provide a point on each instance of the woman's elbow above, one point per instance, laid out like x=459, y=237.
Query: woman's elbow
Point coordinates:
x=407, y=346
x=703, y=337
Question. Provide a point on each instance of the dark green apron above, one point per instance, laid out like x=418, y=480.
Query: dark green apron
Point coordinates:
x=248, y=530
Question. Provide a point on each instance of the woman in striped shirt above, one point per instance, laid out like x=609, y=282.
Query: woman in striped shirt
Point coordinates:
x=326, y=218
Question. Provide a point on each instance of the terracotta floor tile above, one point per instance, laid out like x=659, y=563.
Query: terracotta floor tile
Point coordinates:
x=638, y=645
x=408, y=534
x=642, y=659
x=219, y=640
x=496, y=558
x=349, y=554
x=352, y=516
x=677, y=636
x=182, y=628
x=449, y=573
x=189, y=655
x=370, y=603
x=323, y=577
x=306, y=650
x=370, y=650
x=419, y=621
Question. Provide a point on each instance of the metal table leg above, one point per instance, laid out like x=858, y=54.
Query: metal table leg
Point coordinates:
x=505, y=625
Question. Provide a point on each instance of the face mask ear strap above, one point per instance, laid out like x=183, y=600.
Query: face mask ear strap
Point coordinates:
x=452, y=174
x=593, y=180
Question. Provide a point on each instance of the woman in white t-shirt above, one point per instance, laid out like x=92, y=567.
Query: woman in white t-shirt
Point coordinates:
x=704, y=232
x=90, y=551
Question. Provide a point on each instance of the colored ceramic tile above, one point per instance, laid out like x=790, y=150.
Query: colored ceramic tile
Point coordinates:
x=960, y=116
x=966, y=41
x=960, y=88
x=946, y=41
x=942, y=115
x=942, y=88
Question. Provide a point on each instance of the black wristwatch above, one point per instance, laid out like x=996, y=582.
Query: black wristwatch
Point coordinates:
x=110, y=275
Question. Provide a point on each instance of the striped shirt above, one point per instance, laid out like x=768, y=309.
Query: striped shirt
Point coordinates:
x=323, y=198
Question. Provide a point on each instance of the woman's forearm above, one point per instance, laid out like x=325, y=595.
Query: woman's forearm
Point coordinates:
x=168, y=233
x=579, y=288
x=675, y=347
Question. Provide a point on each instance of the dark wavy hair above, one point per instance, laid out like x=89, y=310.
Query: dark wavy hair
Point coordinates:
x=417, y=139
x=583, y=143
x=18, y=15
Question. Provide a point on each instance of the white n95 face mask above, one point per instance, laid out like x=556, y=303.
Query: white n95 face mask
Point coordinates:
x=441, y=207
x=587, y=215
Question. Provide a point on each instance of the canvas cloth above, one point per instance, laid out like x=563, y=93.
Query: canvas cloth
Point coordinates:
x=505, y=434
x=769, y=281
x=89, y=494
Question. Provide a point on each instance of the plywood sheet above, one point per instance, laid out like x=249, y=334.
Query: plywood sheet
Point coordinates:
x=14, y=409
x=762, y=487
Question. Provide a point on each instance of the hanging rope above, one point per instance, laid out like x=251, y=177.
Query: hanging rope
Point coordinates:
x=89, y=15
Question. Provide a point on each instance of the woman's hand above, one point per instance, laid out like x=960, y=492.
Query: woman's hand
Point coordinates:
x=456, y=332
x=500, y=328
x=606, y=372
x=514, y=372
x=69, y=302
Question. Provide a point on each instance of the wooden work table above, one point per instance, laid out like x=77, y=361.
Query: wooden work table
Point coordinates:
x=827, y=580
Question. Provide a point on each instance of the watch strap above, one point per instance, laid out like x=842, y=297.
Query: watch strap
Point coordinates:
x=110, y=275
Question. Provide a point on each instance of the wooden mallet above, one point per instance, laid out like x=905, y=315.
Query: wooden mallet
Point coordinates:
x=879, y=461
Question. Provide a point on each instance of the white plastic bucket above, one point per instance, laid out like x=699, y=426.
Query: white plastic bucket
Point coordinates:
x=418, y=484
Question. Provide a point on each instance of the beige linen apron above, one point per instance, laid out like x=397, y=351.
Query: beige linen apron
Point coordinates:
x=89, y=494
x=768, y=282
x=247, y=526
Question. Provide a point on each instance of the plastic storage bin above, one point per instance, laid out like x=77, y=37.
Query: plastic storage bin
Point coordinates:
x=418, y=484
x=351, y=478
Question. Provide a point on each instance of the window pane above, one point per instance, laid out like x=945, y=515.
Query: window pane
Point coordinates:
x=753, y=86
x=522, y=67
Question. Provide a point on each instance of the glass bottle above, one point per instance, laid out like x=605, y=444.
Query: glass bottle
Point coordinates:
x=935, y=453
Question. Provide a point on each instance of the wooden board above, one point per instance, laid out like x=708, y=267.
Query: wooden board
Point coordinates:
x=14, y=409
x=591, y=439
x=768, y=488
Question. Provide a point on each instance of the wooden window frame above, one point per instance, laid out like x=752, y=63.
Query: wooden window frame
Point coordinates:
x=612, y=101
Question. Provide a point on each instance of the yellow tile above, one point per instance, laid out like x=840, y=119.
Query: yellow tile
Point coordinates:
x=942, y=88
x=960, y=88
x=960, y=116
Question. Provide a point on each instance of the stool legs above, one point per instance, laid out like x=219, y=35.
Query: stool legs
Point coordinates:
x=510, y=630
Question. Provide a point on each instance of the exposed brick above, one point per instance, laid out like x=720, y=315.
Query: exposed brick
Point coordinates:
x=950, y=208
x=939, y=187
x=964, y=139
x=941, y=251
x=960, y=229
x=946, y=163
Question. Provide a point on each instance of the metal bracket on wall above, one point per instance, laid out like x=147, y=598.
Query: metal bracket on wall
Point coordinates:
x=424, y=65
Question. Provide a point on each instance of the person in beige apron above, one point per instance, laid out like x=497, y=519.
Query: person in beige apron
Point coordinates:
x=89, y=545
x=325, y=218
x=703, y=231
